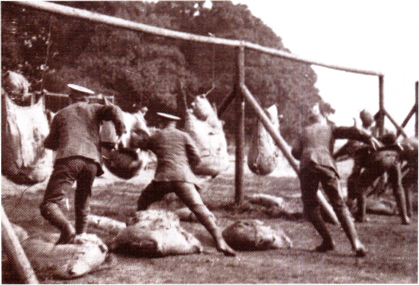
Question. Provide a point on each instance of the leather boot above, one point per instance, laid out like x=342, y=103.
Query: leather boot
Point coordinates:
x=317, y=221
x=361, y=212
x=350, y=231
x=409, y=183
x=52, y=212
x=81, y=219
x=401, y=205
x=399, y=193
x=408, y=195
x=81, y=225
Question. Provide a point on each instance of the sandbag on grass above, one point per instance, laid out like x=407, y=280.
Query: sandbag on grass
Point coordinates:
x=155, y=233
x=65, y=261
x=254, y=235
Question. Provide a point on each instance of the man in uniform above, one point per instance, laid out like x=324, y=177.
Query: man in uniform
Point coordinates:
x=370, y=166
x=177, y=154
x=358, y=150
x=374, y=164
x=314, y=150
x=74, y=136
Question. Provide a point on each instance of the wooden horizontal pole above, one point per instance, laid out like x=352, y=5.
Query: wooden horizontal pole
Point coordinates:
x=121, y=23
x=134, y=26
x=294, y=57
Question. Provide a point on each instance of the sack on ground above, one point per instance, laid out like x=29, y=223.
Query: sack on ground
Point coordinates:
x=254, y=235
x=155, y=233
x=381, y=207
x=105, y=224
x=66, y=261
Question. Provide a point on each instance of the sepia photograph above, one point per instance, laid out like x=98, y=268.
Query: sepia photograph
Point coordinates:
x=209, y=142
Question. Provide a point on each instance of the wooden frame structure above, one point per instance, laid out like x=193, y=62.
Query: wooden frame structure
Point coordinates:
x=241, y=94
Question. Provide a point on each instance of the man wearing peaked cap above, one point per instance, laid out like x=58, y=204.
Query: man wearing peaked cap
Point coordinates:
x=313, y=150
x=74, y=136
x=177, y=154
x=168, y=116
x=79, y=93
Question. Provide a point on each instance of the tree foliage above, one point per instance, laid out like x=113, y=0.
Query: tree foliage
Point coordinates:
x=145, y=70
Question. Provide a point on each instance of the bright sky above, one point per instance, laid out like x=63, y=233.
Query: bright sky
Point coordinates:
x=378, y=35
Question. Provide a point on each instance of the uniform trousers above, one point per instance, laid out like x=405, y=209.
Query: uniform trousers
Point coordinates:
x=66, y=172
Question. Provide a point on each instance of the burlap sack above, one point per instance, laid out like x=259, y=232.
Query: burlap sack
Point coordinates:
x=65, y=261
x=155, y=233
x=263, y=153
x=123, y=162
x=17, y=87
x=254, y=235
x=24, y=128
x=203, y=125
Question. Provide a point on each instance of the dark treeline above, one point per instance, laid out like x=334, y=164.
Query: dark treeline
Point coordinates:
x=145, y=70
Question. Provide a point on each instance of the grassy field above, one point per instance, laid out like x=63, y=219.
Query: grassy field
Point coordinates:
x=392, y=247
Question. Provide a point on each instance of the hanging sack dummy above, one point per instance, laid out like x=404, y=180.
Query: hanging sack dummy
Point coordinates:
x=263, y=153
x=17, y=88
x=24, y=159
x=203, y=125
x=118, y=157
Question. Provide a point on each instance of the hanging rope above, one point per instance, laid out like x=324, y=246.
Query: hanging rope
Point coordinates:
x=213, y=61
x=49, y=43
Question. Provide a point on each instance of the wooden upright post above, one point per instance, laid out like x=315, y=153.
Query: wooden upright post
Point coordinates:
x=381, y=105
x=416, y=104
x=240, y=116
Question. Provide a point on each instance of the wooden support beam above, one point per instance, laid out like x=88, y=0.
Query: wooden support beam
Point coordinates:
x=399, y=129
x=408, y=117
x=15, y=253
